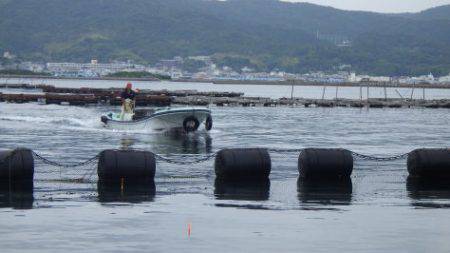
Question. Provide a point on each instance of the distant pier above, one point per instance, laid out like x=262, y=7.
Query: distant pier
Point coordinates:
x=371, y=84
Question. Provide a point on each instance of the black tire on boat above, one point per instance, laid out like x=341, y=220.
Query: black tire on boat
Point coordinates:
x=208, y=123
x=190, y=124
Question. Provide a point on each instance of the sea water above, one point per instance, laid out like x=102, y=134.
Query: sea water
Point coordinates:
x=378, y=211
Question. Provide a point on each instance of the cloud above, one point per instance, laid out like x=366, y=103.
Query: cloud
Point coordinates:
x=388, y=6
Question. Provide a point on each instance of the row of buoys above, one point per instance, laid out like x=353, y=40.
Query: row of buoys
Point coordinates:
x=243, y=164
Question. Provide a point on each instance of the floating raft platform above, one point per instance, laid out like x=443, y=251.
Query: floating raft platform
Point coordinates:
x=48, y=94
x=302, y=102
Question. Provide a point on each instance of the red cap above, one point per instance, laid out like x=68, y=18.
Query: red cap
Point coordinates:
x=129, y=85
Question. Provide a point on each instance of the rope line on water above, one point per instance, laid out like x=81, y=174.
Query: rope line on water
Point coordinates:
x=184, y=159
x=355, y=154
x=280, y=150
x=73, y=165
x=375, y=158
x=187, y=161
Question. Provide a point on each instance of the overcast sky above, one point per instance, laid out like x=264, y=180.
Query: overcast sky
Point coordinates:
x=379, y=5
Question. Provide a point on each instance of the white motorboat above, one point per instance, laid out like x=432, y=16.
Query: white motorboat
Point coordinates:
x=188, y=119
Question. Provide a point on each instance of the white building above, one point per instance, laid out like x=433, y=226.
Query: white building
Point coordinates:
x=31, y=66
x=422, y=79
x=380, y=78
x=8, y=55
x=100, y=69
x=352, y=78
x=445, y=79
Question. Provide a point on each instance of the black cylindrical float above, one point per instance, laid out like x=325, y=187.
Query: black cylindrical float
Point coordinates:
x=325, y=163
x=16, y=165
x=251, y=163
x=429, y=163
x=114, y=165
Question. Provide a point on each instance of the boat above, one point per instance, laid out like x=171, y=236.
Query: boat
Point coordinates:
x=187, y=119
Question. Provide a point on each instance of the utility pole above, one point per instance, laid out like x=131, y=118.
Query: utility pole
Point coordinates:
x=292, y=93
x=360, y=92
x=367, y=93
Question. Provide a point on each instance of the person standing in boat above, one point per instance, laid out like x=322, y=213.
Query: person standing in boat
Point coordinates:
x=128, y=103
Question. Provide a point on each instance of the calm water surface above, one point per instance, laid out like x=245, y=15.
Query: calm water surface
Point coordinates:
x=379, y=210
x=272, y=91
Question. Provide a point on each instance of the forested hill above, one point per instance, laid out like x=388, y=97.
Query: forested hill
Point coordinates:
x=264, y=34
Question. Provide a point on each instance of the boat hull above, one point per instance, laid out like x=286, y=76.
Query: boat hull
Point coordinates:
x=170, y=119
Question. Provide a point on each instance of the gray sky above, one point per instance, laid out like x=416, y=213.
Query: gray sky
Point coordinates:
x=390, y=6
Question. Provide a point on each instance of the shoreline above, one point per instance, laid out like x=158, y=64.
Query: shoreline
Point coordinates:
x=81, y=78
x=245, y=82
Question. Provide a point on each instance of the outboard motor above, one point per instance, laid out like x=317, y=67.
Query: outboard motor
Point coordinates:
x=104, y=119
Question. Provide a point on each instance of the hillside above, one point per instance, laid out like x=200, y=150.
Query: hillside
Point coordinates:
x=441, y=12
x=266, y=34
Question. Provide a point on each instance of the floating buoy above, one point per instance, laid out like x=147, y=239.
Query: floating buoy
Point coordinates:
x=113, y=165
x=429, y=163
x=325, y=163
x=16, y=165
x=251, y=163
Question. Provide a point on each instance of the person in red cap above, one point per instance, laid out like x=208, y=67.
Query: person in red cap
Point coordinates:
x=128, y=102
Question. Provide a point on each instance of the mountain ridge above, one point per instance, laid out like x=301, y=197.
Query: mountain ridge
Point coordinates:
x=295, y=37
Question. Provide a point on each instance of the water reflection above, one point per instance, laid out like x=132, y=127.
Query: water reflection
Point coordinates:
x=325, y=192
x=242, y=190
x=429, y=192
x=126, y=191
x=181, y=143
x=127, y=143
x=18, y=195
